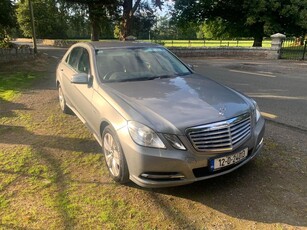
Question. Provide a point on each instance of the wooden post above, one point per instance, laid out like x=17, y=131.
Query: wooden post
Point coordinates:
x=33, y=26
x=304, y=50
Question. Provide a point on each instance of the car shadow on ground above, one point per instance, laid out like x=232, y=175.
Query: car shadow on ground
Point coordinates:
x=252, y=193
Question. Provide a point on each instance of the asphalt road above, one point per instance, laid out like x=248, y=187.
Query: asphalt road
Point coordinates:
x=278, y=86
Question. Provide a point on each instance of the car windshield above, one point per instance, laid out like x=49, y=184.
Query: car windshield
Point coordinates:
x=135, y=64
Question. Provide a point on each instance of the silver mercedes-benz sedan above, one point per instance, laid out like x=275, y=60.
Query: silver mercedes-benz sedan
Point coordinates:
x=159, y=123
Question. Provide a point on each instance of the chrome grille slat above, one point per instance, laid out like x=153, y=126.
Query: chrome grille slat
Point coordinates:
x=237, y=136
x=211, y=137
x=239, y=122
x=214, y=141
x=221, y=136
x=211, y=134
x=239, y=125
x=233, y=132
x=211, y=146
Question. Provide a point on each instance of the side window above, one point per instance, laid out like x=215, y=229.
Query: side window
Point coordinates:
x=84, y=62
x=72, y=58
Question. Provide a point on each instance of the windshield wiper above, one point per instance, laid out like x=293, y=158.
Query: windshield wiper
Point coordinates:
x=162, y=76
x=148, y=78
x=135, y=79
x=170, y=75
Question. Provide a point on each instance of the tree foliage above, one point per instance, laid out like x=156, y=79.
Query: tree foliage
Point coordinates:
x=139, y=22
x=7, y=16
x=129, y=9
x=48, y=19
x=81, y=18
x=255, y=18
x=99, y=11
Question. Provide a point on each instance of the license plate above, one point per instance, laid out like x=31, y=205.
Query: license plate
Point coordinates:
x=221, y=162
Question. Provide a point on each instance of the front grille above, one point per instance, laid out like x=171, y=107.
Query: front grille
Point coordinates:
x=221, y=136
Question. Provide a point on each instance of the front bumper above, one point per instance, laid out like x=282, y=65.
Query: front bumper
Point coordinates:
x=151, y=167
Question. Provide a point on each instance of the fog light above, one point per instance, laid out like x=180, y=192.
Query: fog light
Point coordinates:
x=162, y=176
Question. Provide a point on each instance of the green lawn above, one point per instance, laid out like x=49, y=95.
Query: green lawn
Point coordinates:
x=212, y=43
x=199, y=43
x=12, y=83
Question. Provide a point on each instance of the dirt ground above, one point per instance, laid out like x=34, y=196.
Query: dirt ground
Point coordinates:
x=52, y=176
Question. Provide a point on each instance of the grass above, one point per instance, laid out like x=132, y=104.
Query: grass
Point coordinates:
x=198, y=43
x=212, y=43
x=11, y=84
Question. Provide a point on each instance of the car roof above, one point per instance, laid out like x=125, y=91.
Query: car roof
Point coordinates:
x=121, y=44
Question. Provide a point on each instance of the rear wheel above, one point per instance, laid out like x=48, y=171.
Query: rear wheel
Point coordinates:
x=114, y=156
x=62, y=101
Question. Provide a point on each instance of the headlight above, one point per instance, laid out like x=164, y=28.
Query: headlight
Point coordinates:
x=257, y=110
x=174, y=141
x=144, y=135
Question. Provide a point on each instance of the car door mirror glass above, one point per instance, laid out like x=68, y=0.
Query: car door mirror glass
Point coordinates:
x=80, y=78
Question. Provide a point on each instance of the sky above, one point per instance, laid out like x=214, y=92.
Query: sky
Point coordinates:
x=166, y=5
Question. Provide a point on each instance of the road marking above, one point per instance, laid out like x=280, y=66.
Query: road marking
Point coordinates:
x=252, y=73
x=270, y=73
x=268, y=115
x=55, y=57
x=253, y=63
x=276, y=96
x=45, y=54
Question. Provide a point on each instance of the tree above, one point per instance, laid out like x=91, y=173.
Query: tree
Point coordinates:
x=144, y=19
x=77, y=21
x=7, y=17
x=129, y=10
x=48, y=20
x=98, y=10
x=255, y=18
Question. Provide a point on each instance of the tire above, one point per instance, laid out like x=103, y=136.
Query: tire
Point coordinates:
x=114, y=156
x=65, y=109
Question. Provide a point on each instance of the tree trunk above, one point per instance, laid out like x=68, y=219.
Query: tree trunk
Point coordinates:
x=126, y=20
x=302, y=38
x=257, y=41
x=126, y=24
x=258, y=32
x=94, y=22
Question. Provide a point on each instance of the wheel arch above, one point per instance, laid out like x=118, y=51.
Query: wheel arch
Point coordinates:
x=103, y=125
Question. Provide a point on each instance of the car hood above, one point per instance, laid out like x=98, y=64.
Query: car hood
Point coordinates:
x=171, y=105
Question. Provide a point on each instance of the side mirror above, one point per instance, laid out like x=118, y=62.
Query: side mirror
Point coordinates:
x=80, y=78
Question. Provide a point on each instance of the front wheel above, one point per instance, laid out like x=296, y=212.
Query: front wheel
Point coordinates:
x=114, y=156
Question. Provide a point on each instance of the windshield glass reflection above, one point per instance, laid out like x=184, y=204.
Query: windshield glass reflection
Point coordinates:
x=137, y=64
